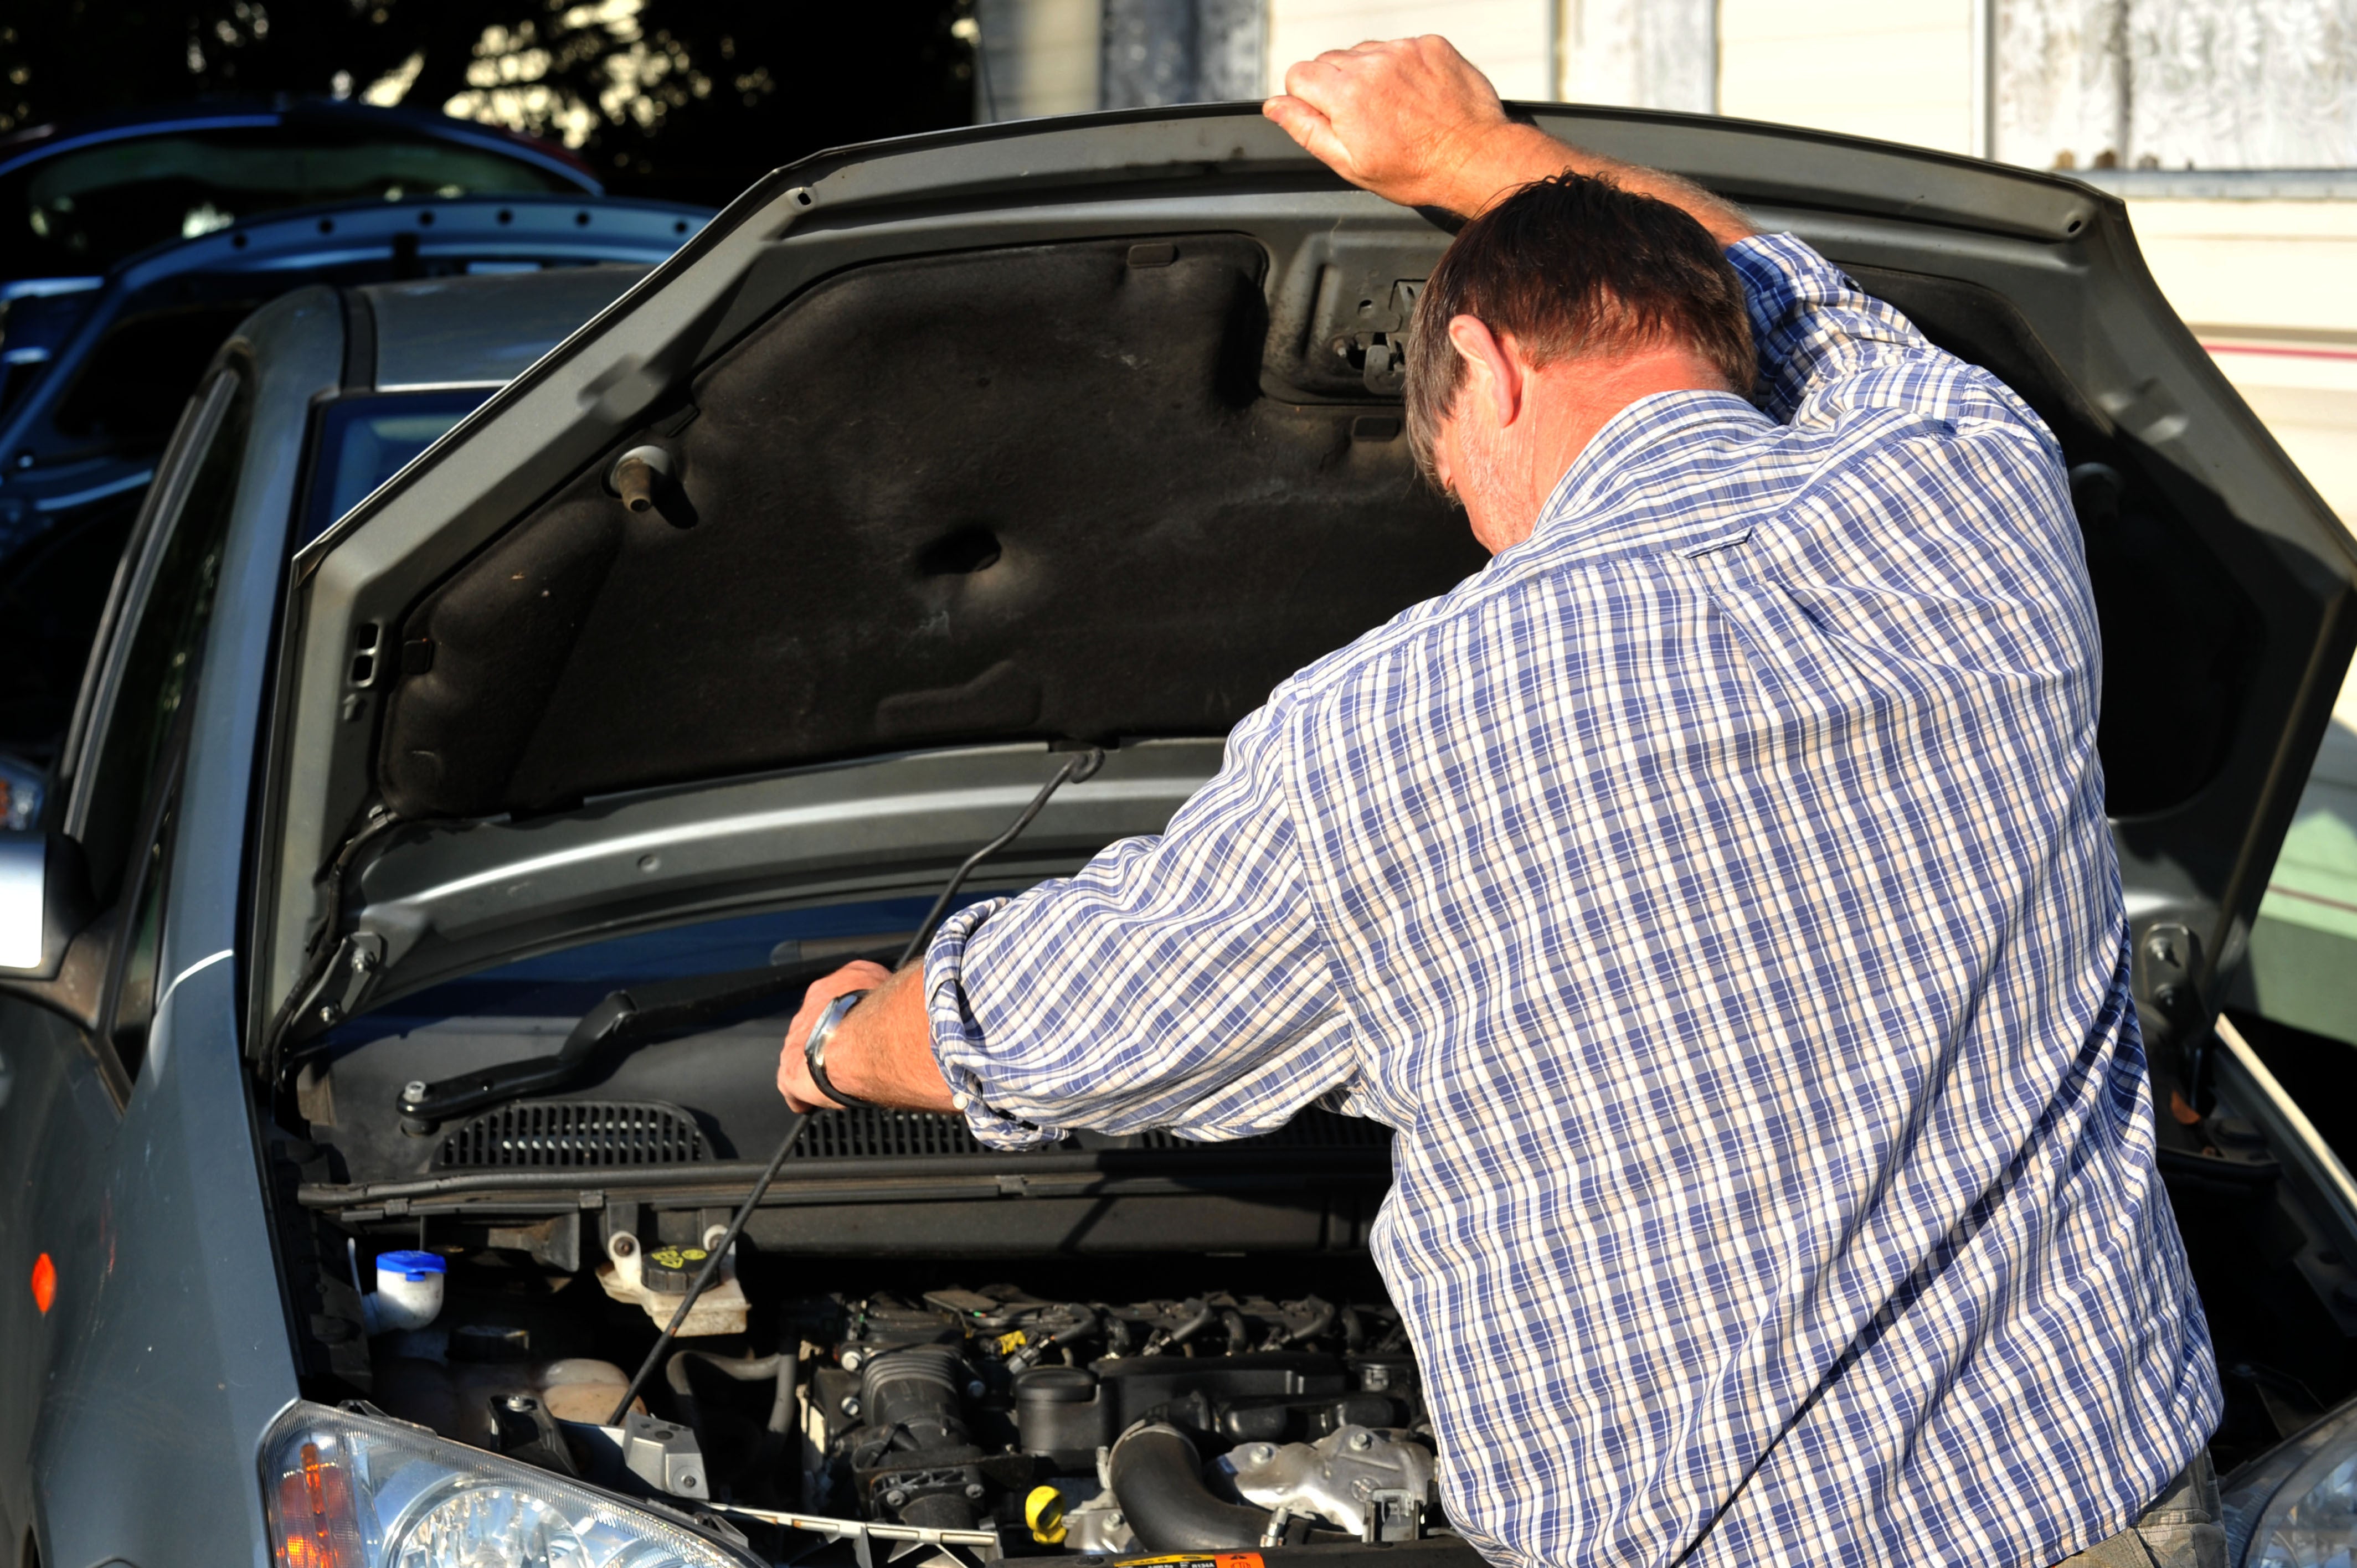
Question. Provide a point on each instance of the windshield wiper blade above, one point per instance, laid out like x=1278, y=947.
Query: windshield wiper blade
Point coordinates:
x=623, y=1021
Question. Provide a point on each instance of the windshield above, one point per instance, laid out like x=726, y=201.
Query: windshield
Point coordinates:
x=364, y=441
x=81, y=211
x=568, y=981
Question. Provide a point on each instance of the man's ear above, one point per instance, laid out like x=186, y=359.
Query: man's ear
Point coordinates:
x=1494, y=373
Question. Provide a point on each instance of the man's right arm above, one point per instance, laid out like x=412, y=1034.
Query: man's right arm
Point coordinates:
x=1414, y=121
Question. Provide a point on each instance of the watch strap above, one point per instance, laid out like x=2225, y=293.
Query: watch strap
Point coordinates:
x=815, y=1048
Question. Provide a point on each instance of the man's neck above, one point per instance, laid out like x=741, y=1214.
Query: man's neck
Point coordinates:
x=1574, y=399
x=1569, y=403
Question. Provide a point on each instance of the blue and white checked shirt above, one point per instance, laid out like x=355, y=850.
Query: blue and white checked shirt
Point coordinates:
x=1715, y=894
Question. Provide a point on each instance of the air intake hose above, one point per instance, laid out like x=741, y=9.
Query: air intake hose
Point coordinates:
x=1158, y=1478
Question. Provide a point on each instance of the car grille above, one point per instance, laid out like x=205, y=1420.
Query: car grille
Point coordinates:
x=573, y=1135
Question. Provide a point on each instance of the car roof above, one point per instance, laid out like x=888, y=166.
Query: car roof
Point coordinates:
x=309, y=239
x=39, y=142
x=480, y=330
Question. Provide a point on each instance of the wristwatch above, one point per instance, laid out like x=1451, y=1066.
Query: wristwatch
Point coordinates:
x=815, y=1048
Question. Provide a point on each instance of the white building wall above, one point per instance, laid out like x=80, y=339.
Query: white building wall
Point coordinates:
x=2266, y=286
x=1901, y=70
x=1039, y=57
x=1656, y=54
x=1511, y=40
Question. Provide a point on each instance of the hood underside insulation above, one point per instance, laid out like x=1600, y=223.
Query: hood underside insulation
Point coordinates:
x=1028, y=493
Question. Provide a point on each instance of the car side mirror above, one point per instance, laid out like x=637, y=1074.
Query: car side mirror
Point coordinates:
x=44, y=902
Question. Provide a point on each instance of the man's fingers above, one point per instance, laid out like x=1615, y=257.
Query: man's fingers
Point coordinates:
x=860, y=976
x=1314, y=80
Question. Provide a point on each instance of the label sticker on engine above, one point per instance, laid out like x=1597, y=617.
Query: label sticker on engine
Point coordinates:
x=1192, y=1560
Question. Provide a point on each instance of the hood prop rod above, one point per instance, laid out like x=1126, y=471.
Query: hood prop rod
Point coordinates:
x=1079, y=767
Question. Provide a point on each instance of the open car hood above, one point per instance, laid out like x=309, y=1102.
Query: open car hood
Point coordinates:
x=1084, y=431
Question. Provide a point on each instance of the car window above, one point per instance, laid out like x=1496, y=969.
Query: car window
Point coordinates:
x=2298, y=969
x=363, y=441
x=81, y=211
x=129, y=391
x=171, y=606
x=141, y=946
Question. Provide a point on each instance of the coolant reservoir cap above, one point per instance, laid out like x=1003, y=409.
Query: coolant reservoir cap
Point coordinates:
x=672, y=1269
x=411, y=1266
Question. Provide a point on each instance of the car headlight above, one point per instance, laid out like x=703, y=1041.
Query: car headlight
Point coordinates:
x=2296, y=1506
x=351, y=1491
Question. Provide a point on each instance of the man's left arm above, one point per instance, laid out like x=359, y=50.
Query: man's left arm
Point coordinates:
x=1179, y=981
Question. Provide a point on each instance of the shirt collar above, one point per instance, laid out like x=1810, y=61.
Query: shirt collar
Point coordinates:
x=1629, y=437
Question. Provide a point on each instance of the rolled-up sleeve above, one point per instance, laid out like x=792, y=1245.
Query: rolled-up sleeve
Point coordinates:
x=1179, y=980
x=1827, y=347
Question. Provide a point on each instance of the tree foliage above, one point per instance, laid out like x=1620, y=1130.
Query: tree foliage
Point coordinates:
x=667, y=96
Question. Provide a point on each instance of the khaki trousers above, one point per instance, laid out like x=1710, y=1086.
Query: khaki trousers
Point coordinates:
x=2182, y=1529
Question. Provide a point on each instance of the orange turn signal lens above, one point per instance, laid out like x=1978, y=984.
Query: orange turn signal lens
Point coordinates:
x=316, y=1525
x=45, y=1282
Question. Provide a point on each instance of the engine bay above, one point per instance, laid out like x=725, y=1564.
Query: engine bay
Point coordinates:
x=1151, y=1406
x=1121, y=1345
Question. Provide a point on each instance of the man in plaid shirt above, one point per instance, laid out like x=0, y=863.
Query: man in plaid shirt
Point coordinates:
x=1714, y=893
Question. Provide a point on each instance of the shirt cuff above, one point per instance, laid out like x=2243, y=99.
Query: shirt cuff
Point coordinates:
x=957, y=1037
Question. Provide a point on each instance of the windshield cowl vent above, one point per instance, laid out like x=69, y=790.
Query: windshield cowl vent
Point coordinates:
x=869, y=1132
x=874, y=1133
x=574, y=1135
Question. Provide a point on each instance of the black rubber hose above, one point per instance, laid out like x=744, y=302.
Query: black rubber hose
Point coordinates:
x=1204, y=1317
x=783, y=1368
x=1158, y=1478
x=780, y=1367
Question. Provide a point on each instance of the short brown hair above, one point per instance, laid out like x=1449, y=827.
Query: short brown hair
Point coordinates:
x=1575, y=265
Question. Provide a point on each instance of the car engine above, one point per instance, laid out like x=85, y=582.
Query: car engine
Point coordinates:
x=1037, y=1421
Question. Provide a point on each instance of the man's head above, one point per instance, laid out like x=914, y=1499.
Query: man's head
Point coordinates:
x=1553, y=311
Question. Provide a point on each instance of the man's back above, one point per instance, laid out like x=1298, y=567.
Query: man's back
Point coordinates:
x=1714, y=892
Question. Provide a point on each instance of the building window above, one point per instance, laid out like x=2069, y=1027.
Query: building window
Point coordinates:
x=2177, y=84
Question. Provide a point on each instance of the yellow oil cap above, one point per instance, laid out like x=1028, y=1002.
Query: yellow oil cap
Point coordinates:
x=1043, y=1510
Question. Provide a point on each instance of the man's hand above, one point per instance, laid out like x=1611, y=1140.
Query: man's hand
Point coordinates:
x=882, y=1051
x=1413, y=120
x=793, y=1068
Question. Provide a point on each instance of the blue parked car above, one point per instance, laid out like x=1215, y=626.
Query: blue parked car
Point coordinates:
x=79, y=197
x=107, y=317
x=101, y=373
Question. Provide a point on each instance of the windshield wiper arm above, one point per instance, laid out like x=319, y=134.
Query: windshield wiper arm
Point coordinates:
x=623, y=1021
x=627, y=1019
